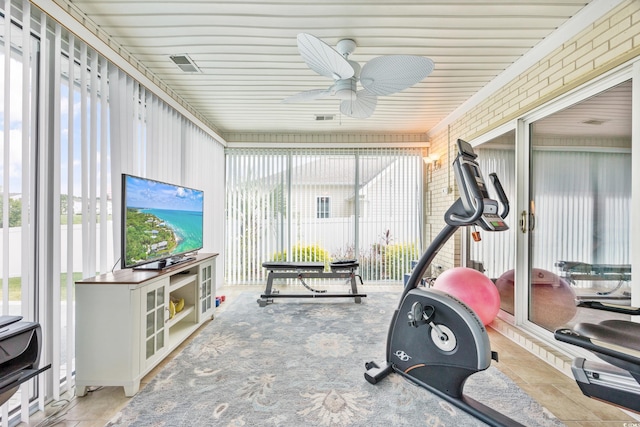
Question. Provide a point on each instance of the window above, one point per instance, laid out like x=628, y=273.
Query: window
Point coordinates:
x=19, y=56
x=370, y=209
x=324, y=210
x=64, y=148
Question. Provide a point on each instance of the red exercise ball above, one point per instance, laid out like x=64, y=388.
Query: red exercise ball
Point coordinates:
x=553, y=300
x=474, y=289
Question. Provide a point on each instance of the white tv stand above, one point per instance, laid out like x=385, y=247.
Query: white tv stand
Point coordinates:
x=123, y=329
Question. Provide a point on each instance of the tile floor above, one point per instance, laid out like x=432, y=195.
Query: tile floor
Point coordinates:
x=549, y=386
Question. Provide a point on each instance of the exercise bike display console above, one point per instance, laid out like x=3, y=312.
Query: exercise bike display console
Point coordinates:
x=434, y=339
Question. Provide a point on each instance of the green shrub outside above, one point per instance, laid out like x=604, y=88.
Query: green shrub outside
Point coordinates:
x=382, y=263
x=302, y=253
x=398, y=259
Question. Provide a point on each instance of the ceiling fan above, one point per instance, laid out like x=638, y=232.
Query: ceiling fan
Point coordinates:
x=383, y=75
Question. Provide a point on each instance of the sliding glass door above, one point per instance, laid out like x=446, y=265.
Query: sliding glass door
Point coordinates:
x=579, y=218
x=567, y=171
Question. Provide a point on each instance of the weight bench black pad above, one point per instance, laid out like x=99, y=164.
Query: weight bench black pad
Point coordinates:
x=305, y=266
x=347, y=264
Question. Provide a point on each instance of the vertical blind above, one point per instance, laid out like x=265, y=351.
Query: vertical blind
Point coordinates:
x=323, y=205
x=71, y=123
x=582, y=207
x=497, y=251
x=581, y=203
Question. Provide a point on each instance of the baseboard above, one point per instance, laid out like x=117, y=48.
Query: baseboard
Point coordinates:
x=534, y=345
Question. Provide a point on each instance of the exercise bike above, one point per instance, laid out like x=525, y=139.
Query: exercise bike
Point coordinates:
x=614, y=341
x=434, y=339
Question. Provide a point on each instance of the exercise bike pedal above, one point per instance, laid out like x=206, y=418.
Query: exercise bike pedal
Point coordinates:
x=370, y=365
x=375, y=373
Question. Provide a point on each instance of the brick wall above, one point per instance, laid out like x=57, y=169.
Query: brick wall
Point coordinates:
x=607, y=43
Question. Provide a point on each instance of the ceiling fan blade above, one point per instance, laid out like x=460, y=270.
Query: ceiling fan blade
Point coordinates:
x=308, y=95
x=385, y=75
x=361, y=107
x=322, y=58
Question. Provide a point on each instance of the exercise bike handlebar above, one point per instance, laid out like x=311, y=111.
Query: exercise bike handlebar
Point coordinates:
x=474, y=194
x=502, y=196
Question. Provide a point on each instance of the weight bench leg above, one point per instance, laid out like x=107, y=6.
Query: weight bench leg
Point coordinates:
x=354, y=288
x=264, y=300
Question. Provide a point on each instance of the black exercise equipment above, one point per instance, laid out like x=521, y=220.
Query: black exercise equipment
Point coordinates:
x=434, y=339
x=20, y=342
x=341, y=269
x=617, y=342
x=621, y=273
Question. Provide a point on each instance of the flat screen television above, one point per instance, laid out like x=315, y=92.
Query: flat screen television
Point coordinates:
x=161, y=223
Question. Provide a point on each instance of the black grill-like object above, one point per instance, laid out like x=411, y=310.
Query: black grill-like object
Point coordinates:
x=20, y=343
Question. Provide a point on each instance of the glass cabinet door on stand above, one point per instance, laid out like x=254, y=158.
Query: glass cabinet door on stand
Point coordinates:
x=207, y=289
x=155, y=312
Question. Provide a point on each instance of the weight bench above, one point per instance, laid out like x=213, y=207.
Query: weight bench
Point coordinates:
x=345, y=269
x=574, y=270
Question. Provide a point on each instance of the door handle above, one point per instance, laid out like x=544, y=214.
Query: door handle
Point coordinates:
x=523, y=221
x=532, y=215
x=532, y=221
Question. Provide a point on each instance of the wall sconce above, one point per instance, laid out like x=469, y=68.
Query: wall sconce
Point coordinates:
x=432, y=161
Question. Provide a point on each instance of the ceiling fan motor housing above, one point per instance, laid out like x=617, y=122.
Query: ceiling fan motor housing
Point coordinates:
x=346, y=47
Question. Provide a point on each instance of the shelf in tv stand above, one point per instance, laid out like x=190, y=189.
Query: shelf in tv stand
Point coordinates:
x=183, y=323
x=186, y=311
x=179, y=280
x=179, y=331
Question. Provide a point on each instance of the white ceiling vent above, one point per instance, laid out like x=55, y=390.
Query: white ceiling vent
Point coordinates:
x=185, y=63
x=324, y=117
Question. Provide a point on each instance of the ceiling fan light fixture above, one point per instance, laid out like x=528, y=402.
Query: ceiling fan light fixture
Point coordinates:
x=345, y=94
x=345, y=89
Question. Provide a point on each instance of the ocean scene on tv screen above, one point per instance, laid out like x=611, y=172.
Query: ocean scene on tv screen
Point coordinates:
x=162, y=220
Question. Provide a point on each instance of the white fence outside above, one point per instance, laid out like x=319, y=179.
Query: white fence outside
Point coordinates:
x=15, y=248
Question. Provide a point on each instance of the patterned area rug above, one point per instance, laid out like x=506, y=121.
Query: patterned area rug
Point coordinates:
x=301, y=363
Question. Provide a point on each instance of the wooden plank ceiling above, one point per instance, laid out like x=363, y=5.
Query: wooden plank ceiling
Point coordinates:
x=249, y=62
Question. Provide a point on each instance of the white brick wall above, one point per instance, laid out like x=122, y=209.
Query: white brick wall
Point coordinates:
x=610, y=41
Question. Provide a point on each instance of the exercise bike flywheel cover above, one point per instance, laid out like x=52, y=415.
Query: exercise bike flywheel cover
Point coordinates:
x=445, y=342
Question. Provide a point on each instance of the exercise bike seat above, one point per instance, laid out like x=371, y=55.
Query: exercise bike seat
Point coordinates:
x=616, y=332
